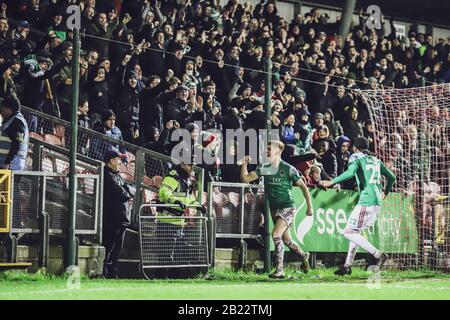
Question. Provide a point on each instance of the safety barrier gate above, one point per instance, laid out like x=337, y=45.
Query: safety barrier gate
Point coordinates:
x=172, y=241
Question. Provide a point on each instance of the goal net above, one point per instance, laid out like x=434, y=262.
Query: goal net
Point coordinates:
x=412, y=137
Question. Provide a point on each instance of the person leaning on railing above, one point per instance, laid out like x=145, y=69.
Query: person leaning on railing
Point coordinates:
x=14, y=135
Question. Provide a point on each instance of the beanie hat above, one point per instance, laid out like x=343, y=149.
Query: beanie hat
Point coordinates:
x=66, y=45
x=192, y=126
x=108, y=114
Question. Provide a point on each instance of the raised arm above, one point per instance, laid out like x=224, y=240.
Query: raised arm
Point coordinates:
x=245, y=176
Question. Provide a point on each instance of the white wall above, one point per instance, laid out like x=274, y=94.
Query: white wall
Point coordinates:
x=440, y=33
x=286, y=10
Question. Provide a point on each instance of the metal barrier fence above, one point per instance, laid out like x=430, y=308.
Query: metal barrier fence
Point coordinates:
x=236, y=212
x=172, y=241
x=39, y=208
x=43, y=193
x=144, y=167
x=236, y=208
x=45, y=157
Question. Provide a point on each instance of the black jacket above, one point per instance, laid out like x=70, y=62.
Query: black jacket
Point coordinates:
x=177, y=110
x=329, y=163
x=116, y=194
x=151, y=111
x=127, y=109
x=34, y=87
x=99, y=97
x=99, y=45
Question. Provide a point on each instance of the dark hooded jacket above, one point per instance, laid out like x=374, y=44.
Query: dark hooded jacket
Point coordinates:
x=334, y=126
x=116, y=194
x=352, y=128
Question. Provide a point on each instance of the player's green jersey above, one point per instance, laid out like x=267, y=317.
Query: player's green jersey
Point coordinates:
x=367, y=170
x=278, y=184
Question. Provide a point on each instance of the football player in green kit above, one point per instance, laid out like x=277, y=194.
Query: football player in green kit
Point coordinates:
x=368, y=171
x=279, y=178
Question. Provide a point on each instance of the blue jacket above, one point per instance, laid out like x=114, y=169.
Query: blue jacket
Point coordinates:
x=99, y=146
x=14, y=142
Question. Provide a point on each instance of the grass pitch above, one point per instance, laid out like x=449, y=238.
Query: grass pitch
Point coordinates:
x=223, y=285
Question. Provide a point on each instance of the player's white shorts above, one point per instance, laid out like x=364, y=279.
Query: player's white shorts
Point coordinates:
x=363, y=217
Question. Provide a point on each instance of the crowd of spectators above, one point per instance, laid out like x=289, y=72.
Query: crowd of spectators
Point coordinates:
x=149, y=67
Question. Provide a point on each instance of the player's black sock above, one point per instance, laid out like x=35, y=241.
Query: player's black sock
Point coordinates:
x=278, y=243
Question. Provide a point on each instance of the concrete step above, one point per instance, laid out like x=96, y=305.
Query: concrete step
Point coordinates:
x=90, y=258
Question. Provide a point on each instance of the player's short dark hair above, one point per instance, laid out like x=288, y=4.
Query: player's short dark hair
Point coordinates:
x=361, y=143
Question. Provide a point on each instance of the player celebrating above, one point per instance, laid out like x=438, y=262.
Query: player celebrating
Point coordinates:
x=278, y=179
x=368, y=170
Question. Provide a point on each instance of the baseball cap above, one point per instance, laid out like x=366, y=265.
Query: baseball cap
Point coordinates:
x=182, y=88
x=111, y=154
x=108, y=115
x=192, y=126
x=66, y=45
x=23, y=24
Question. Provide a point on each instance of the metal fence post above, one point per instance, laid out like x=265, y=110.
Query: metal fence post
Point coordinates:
x=37, y=157
x=139, y=173
x=44, y=224
x=268, y=108
x=242, y=244
x=200, y=183
x=12, y=243
x=99, y=200
x=71, y=243
x=45, y=240
x=211, y=233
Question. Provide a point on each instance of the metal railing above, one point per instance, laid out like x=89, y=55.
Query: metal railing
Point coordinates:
x=48, y=158
x=36, y=194
x=172, y=241
x=236, y=208
x=237, y=212
x=39, y=209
